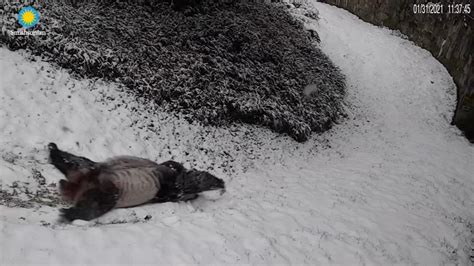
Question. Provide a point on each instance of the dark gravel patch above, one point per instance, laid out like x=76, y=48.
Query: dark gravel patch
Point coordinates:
x=30, y=195
x=215, y=63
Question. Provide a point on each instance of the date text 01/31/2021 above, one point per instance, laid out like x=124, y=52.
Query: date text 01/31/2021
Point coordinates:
x=440, y=8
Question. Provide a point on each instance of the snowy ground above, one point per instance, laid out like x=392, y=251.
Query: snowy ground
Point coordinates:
x=391, y=185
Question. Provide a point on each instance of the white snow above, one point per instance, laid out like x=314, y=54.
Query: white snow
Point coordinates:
x=392, y=184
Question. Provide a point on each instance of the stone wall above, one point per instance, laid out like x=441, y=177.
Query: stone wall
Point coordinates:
x=449, y=37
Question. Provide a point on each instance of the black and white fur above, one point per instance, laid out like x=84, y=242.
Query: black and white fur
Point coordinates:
x=124, y=181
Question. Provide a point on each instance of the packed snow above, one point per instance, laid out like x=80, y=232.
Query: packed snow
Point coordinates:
x=391, y=184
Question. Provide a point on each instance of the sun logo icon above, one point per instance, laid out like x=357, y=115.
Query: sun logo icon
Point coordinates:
x=28, y=17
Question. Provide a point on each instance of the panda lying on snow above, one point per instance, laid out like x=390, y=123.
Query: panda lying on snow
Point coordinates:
x=124, y=181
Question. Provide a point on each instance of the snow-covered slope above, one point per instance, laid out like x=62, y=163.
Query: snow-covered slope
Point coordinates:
x=390, y=185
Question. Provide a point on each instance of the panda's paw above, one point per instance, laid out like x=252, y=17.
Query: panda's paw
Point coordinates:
x=52, y=146
x=67, y=215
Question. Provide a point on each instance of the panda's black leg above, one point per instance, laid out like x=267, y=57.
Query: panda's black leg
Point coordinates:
x=168, y=173
x=93, y=203
x=188, y=197
x=167, y=198
x=179, y=184
x=195, y=181
x=174, y=198
x=68, y=163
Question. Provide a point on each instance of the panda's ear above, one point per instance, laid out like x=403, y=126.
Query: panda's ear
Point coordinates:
x=174, y=166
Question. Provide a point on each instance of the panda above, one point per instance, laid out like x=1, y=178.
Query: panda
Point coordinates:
x=95, y=188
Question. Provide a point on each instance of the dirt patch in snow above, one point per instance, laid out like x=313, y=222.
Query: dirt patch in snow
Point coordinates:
x=30, y=194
